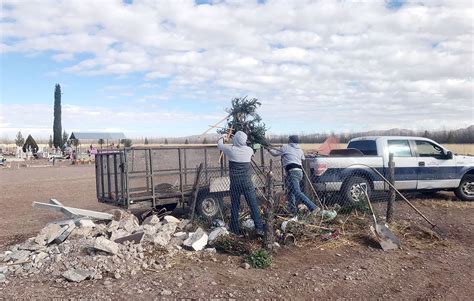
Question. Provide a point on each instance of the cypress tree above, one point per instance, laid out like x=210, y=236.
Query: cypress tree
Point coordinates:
x=57, y=128
x=19, y=141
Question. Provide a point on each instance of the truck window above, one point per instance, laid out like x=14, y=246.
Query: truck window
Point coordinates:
x=428, y=149
x=367, y=147
x=399, y=148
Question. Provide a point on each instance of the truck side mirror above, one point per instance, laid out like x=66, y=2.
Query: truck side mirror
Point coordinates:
x=449, y=155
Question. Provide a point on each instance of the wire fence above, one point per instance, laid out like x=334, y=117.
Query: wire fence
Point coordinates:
x=170, y=176
x=304, y=192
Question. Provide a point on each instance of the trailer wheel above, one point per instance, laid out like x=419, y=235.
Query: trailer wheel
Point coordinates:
x=209, y=205
x=351, y=190
x=465, y=190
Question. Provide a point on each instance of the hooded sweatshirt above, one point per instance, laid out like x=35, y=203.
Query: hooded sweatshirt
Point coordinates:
x=291, y=154
x=239, y=154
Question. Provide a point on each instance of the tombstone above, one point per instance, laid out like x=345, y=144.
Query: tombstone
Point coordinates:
x=19, y=153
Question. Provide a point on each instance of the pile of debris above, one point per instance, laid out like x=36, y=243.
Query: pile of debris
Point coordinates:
x=94, y=245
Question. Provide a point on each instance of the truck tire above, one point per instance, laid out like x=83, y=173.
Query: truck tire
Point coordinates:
x=351, y=191
x=209, y=205
x=465, y=190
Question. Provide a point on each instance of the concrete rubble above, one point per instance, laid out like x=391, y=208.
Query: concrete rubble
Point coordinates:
x=103, y=244
x=216, y=233
x=77, y=275
x=197, y=240
x=90, y=246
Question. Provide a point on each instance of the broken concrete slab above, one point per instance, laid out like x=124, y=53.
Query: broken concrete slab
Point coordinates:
x=3, y=278
x=72, y=212
x=40, y=256
x=40, y=239
x=68, y=228
x=197, y=241
x=86, y=223
x=99, y=230
x=119, y=233
x=55, y=202
x=151, y=220
x=136, y=238
x=163, y=236
x=216, y=233
x=51, y=232
x=103, y=244
x=181, y=235
x=168, y=228
x=112, y=226
x=31, y=245
x=81, y=232
x=78, y=275
x=169, y=219
x=20, y=255
x=129, y=223
x=149, y=229
x=183, y=223
x=161, y=239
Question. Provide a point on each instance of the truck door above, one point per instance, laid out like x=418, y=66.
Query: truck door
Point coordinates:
x=405, y=164
x=435, y=168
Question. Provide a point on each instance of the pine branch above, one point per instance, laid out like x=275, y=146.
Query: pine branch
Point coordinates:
x=244, y=117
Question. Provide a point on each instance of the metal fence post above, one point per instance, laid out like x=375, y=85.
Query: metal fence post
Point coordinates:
x=152, y=180
x=391, y=193
x=269, y=238
x=306, y=184
x=98, y=175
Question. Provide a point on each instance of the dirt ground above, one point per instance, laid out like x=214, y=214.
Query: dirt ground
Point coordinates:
x=425, y=268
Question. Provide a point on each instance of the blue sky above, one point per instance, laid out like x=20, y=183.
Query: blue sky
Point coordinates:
x=170, y=68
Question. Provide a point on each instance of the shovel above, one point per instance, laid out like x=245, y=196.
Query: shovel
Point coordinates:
x=386, y=239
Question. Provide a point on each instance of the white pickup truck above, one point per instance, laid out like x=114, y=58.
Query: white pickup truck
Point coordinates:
x=420, y=165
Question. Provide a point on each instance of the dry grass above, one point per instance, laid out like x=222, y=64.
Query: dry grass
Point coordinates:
x=353, y=229
x=417, y=236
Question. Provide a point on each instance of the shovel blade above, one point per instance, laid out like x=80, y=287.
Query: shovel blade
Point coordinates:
x=388, y=240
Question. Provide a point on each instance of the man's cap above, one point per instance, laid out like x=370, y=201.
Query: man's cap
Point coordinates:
x=294, y=139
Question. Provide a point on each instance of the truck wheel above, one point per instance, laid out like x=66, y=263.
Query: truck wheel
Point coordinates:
x=465, y=190
x=352, y=191
x=209, y=205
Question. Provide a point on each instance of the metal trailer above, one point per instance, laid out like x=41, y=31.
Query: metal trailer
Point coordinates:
x=150, y=177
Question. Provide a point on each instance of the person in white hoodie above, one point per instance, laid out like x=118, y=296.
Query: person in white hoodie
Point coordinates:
x=240, y=156
x=292, y=156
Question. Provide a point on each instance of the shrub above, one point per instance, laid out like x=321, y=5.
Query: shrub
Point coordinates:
x=259, y=259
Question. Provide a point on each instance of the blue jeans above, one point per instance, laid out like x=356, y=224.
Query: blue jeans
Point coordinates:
x=293, y=180
x=239, y=185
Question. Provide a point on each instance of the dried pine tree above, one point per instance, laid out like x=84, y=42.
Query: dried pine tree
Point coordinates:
x=243, y=117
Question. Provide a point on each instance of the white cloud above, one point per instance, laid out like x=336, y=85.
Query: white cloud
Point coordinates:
x=357, y=65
